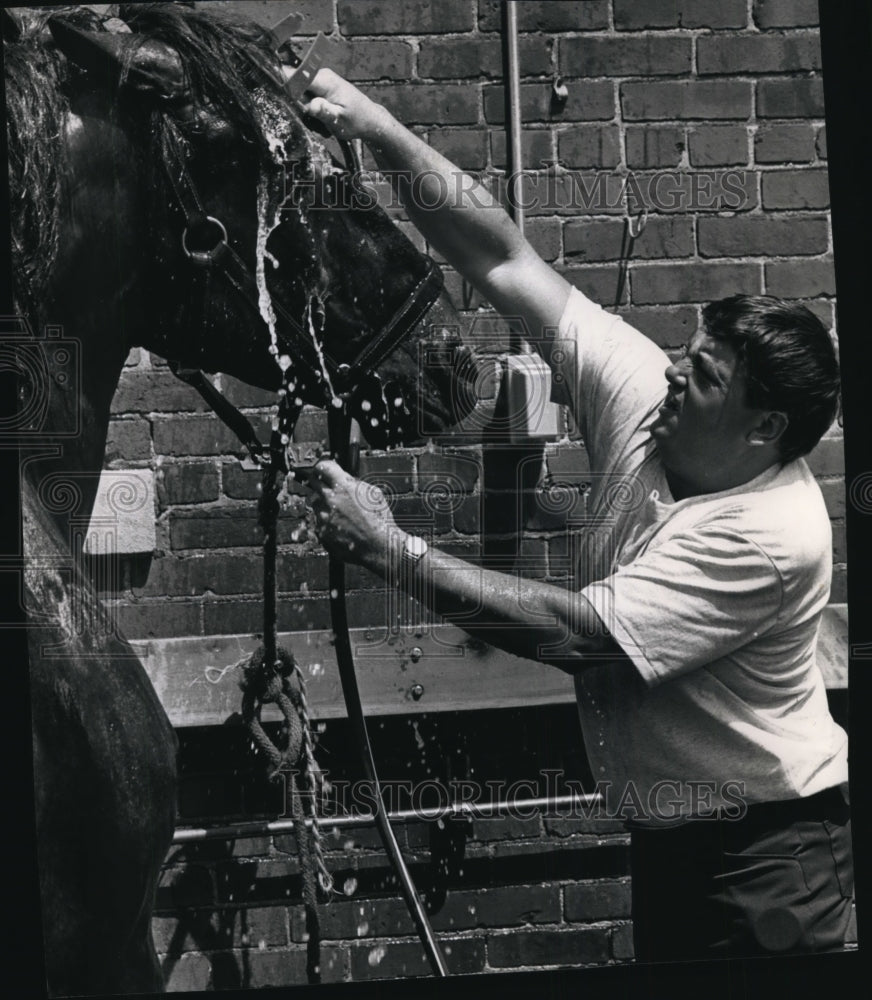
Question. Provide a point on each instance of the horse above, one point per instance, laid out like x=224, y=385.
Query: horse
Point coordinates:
x=167, y=193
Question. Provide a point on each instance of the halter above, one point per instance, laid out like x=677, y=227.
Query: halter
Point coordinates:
x=205, y=243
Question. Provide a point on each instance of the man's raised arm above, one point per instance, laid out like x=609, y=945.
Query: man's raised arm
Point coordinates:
x=455, y=213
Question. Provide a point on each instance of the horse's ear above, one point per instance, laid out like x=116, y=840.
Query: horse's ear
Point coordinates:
x=11, y=27
x=146, y=66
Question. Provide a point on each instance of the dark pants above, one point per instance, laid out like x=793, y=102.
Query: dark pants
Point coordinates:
x=778, y=881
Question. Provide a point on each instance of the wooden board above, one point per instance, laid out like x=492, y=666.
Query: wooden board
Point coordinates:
x=436, y=670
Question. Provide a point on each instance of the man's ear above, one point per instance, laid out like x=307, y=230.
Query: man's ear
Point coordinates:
x=769, y=428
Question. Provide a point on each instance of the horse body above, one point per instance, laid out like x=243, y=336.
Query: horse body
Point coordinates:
x=104, y=750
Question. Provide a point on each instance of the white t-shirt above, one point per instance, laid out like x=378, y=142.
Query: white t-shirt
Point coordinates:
x=715, y=599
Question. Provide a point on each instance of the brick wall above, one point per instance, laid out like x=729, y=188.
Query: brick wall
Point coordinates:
x=711, y=113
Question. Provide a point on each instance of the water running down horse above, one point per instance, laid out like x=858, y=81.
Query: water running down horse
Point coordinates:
x=103, y=123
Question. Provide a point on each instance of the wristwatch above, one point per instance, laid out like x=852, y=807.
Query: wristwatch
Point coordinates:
x=414, y=550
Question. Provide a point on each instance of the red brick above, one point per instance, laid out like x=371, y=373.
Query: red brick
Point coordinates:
x=679, y=99
x=604, y=900
x=376, y=59
x=468, y=515
x=654, y=146
x=128, y=440
x=667, y=326
x=394, y=471
x=597, y=283
x=359, y=918
x=239, y=483
x=317, y=16
x=601, y=239
x=821, y=142
x=785, y=13
x=265, y=926
x=622, y=943
x=749, y=235
x=287, y=967
x=506, y=828
x=456, y=471
x=569, y=15
x=311, y=425
x=194, y=436
x=228, y=527
x=652, y=55
x=400, y=17
x=795, y=189
x=840, y=545
x=800, y=279
x=720, y=146
x=147, y=391
x=538, y=948
x=727, y=54
x=244, y=395
x=193, y=482
x=237, y=617
x=536, y=149
x=465, y=147
x=457, y=58
x=187, y=973
x=427, y=103
x=793, y=98
x=635, y=14
x=681, y=283
x=575, y=192
x=589, y=100
x=828, y=458
x=507, y=906
x=402, y=959
x=544, y=235
x=231, y=573
x=834, y=496
x=792, y=143
x=590, y=146
x=157, y=619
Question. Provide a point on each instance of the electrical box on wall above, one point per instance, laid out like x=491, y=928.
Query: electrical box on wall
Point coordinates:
x=532, y=415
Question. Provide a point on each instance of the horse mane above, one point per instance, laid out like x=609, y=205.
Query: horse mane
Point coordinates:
x=226, y=58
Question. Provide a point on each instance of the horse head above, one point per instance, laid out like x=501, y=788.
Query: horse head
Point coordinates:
x=206, y=222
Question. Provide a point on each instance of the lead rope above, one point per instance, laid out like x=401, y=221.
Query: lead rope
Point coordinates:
x=272, y=676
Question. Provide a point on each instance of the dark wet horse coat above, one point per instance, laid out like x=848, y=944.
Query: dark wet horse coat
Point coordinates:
x=98, y=250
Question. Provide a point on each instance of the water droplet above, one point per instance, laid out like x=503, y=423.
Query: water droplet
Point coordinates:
x=334, y=593
x=362, y=928
x=366, y=406
x=349, y=887
x=376, y=955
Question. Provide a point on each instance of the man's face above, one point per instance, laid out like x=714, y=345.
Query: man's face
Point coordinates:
x=703, y=425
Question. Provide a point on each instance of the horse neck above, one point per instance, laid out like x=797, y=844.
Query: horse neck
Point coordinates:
x=63, y=470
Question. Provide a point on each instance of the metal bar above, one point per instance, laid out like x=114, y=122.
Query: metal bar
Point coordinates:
x=457, y=810
x=514, y=160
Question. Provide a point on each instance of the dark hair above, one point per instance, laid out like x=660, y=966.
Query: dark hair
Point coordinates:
x=789, y=361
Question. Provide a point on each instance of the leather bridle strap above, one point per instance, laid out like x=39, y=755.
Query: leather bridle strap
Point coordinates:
x=221, y=257
x=225, y=410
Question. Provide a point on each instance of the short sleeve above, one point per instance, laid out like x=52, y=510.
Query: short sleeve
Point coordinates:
x=609, y=374
x=695, y=598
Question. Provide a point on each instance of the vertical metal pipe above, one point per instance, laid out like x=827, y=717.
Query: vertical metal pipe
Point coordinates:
x=512, y=75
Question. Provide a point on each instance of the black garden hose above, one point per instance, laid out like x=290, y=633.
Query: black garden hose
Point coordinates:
x=338, y=426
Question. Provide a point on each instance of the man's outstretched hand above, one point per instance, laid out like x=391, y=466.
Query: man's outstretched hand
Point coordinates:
x=343, y=109
x=352, y=518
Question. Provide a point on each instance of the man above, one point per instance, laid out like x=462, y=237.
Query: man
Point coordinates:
x=703, y=577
